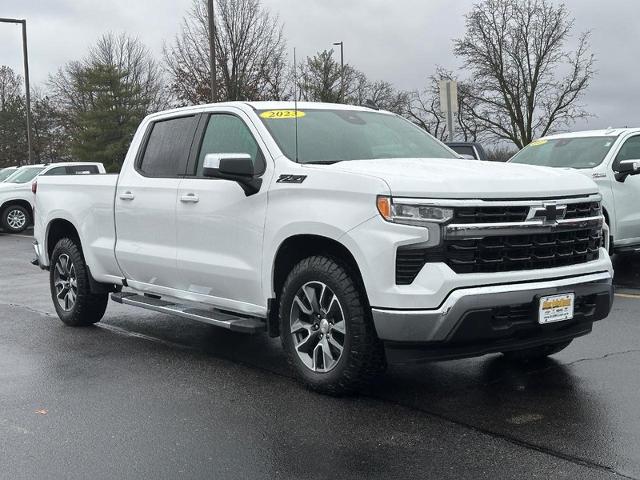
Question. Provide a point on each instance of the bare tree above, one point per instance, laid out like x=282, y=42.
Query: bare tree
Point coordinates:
x=320, y=80
x=102, y=98
x=524, y=83
x=425, y=110
x=250, y=54
x=125, y=55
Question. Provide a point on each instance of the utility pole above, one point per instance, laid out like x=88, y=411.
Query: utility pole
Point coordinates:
x=449, y=104
x=26, y=80
x=212, y=52
x=341, y=69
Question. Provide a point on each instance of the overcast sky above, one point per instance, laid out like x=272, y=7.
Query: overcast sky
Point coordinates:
x=400, y=41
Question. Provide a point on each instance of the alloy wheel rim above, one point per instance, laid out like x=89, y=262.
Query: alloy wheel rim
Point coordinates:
x=65, y=282
x=16, y=219
x=318, y=327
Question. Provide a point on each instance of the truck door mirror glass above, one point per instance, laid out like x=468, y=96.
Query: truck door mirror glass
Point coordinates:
x=626, y=168
x=237, y=167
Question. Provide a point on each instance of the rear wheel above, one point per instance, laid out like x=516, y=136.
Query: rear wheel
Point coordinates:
x=326, y=328
x=15, y=218
x=536, y=353
x=70, y=287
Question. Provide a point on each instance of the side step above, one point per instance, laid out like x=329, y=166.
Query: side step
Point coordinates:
x=211, y=316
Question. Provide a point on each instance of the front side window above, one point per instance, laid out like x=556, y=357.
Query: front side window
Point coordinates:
x=329, y=136
x=227, y=133
x=56, y=171
x=168, y=145
x=575, y=152
x=24, y=175
x=629, y=151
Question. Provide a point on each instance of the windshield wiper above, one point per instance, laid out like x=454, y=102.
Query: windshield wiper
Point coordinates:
x=321, y=162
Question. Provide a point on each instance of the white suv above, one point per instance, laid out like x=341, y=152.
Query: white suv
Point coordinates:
x=16, y=191
x=612, y=158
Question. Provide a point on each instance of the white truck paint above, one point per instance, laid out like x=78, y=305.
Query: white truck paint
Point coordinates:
x=16, y=196
x=402, y=243
x=620, y=194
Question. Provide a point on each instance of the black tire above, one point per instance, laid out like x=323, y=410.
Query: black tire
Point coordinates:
x=536, y=353
x=362, y=357
x=13, y=213
x=87, y=308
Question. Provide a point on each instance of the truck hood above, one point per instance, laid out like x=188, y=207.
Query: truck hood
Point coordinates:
x=455, y=178
x=12, y=187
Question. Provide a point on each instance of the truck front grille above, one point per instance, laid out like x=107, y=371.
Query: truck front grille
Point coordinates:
x=521, y=252
x=490, y=214
x=506, y=238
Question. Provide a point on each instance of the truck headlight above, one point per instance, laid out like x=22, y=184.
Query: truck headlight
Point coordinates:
x=411, y=212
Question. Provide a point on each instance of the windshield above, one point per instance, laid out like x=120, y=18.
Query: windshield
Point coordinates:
x=6, y=173
x=24, y=175
x=329, y=136
x=579, y=152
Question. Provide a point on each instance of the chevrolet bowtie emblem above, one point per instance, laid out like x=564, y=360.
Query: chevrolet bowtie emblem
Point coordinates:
x=550, y=212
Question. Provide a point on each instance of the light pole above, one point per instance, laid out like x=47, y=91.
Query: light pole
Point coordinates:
x=341, y=69
x=212, y=51
x=26, y=79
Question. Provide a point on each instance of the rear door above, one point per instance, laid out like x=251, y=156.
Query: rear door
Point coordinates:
x=145, y=203
x=219, y=228
x=627, y=193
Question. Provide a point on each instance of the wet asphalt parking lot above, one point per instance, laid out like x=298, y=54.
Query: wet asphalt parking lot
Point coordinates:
x=144, y=395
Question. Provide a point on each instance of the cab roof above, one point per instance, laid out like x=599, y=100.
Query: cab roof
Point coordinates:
x=270, y=105
x=609, y=132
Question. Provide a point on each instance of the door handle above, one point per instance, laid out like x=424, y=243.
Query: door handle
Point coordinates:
x=127, y=196
x=190, y=198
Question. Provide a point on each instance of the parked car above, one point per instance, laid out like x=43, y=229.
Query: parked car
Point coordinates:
x=468, y=150
x=6, y=172
x=16, y=192
x=351, y=233
x=611, y=158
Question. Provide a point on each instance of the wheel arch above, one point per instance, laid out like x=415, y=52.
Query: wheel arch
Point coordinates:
x=58, y=229
x=297, y=247
x=18, y=201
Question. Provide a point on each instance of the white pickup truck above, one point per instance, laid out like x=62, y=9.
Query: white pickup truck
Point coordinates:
x=612, y=158
x=352, y=234
x=16, y=191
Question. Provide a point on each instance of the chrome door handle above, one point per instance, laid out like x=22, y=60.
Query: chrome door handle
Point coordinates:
x=190, y=198
x=127, y=196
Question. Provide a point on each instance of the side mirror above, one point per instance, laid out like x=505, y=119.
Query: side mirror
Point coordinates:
x=627, y=168
x=237, y=167
x=466, y=156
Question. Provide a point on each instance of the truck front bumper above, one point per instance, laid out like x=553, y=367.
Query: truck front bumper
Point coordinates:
x=496, y=318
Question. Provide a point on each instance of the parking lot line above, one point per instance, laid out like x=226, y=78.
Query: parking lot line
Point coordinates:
x=628, y=295
x=21, y=236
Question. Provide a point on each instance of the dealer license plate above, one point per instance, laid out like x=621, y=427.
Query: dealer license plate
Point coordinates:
x=556, y=308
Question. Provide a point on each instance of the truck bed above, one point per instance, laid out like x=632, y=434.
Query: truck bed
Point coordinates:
x=91, y=198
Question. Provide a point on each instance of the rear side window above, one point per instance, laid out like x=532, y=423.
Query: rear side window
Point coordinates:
x=82, y=170
x=463, y=150
x=168, y=146
x=73, y=170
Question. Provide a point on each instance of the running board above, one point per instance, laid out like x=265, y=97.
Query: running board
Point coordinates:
x=210, y=316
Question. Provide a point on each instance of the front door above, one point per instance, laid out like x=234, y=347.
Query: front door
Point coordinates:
x=627, y=194
x=145, y=204
x=219, y=228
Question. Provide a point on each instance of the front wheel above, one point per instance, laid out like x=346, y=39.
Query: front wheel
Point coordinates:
x=326, y=328
x=70, y=288
x=536, y=353
x=15, y=219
